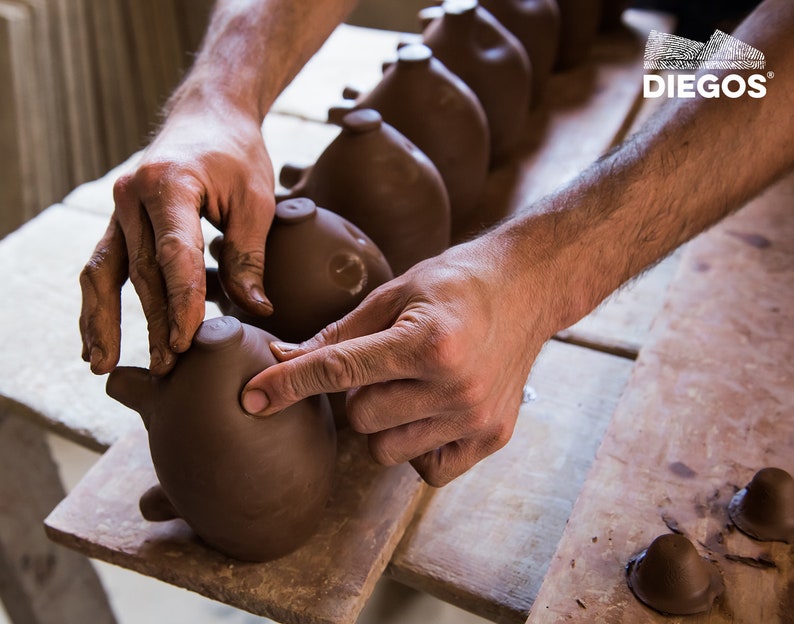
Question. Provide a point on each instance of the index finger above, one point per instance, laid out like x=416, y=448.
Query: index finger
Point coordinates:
x=384, y=356
x=173, y=207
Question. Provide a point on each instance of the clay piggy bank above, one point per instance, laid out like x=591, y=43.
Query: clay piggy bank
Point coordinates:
x=536, y=24
x=475, y=46
x=376, y=178
x=254, y=489
x=318, y=267
x=440, y=114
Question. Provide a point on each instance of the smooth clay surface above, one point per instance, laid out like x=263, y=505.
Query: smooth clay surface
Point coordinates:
x=442, y=116
x=254, y=489
x=486, y=56
x=377, y=179
x=765, y=508
x=318, y=267
x=672, y=578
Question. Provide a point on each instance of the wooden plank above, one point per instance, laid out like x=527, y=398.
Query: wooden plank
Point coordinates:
x=709, y=404
x=326, y=581
x=40, y=583
x=484, y=541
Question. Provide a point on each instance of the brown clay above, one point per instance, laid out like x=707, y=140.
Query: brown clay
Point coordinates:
x=488, y=58
x=318, y=267
x=765, y=508
x=579, y=21
x=536, y=24
x=254, y=489
x=377, y=179
x=437, y=112
x=672, y=578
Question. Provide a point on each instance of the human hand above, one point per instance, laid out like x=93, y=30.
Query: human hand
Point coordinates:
x=435, y=361
x=208, y=160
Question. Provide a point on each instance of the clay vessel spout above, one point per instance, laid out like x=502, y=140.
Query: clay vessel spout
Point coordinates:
x=133, y=387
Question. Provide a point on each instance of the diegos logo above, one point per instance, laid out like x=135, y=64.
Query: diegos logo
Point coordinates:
x=722, y=51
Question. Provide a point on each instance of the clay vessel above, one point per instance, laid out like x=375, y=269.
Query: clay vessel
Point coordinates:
x=579, y=21
x=254, y=489
x=536, y=24
x=765, y=508
x=318, y=267
x=376, y=178
x=612, y=14
x=488, y=58
x=672, y=578
x=439, y=114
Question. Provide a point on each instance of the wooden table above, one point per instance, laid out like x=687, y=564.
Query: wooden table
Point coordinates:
x=486, y=541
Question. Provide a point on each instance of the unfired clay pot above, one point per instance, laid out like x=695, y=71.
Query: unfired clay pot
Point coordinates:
x=579, y=21
x=254, y=489
x=765, y=508
x=376, y=178
x=482, y=52
x=437, y=112
x=536, y=24
x=318, y=267
x=672, y=578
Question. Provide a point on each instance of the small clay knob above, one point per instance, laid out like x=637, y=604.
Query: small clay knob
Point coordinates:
x=361, y=121
x=218, y=333
x=415, y=54
x=292, y=211
x=460, y=7
x=672, y=578
x=765, y=508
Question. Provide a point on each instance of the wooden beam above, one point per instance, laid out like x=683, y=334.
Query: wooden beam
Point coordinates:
x=40, y=582
x=327, y=581
x=484, y=541
x=710, y=402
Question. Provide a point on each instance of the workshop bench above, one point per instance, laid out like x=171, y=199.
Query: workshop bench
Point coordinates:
x=490, y=541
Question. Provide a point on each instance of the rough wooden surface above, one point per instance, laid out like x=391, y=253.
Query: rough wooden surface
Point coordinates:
x=710, y=402
x=484, y=541
x=40, y=583
x=327, y=581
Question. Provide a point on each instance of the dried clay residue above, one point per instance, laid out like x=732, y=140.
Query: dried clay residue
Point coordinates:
x=753, y=562
x=682, y=470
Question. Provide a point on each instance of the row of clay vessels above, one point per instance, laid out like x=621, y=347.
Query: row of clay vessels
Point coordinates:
x=672, y=578
x=254, y=489
x=462, y=97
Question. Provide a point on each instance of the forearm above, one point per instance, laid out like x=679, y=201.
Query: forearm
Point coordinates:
x=253, y=49
x=693, y=163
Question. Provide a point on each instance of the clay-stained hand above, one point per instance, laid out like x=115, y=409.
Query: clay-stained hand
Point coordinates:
x=210, y=162
x=435, y=362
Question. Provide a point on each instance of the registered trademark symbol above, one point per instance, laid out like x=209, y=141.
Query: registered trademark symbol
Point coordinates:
x=770, y=75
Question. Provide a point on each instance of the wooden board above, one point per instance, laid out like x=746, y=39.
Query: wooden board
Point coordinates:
x=326, y=581
x=484, y=541
x=40, y=583
x=710, y=402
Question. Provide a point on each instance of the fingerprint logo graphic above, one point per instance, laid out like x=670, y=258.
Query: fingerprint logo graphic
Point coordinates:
x=721, y=51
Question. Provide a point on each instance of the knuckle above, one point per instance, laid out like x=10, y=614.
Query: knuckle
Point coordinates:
x=435, y=475
x=339, y=370
x=171, y=246
x=382, y=451
x=359, y=417
x=443, y=349
x=121, y=187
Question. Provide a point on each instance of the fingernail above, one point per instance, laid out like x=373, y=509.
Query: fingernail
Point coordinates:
x=97, y=357
x=173, y=338
x=257, y=294
x=255, y=401
x=283, y=348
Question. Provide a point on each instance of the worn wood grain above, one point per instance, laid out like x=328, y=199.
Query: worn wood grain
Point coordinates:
x=710, y=402
x=326, y=581
x=40, y=582
x=484, y=541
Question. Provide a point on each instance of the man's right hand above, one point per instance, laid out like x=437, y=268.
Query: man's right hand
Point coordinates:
x=208, y=160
